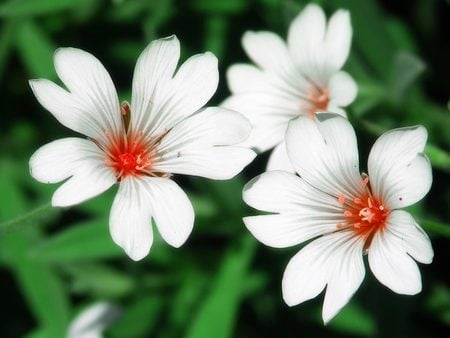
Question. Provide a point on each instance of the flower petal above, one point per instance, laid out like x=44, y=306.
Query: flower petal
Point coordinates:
x=172, y=210
x=324, y=153
x=389, y=249
x=268, y=51
x=269, y=115
x=304, y=212
x=306, y=42
x=189, y=90
x=90, y=86
x=68, y=109
x=243, y=78
x=130, y=218
x=79, y=159
x=338, y=40
x=411, y=236
x=279, y=160
x=91, y=322
x=152, y=77
x=334, y=259
x=204, y=145
x=399, y=172
x=343, y=89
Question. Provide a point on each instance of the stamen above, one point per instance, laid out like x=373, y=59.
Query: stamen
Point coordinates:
x=341, y=198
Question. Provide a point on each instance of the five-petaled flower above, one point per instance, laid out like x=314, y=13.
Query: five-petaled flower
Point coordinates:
x=163, y=131
x=301, y=77
x=349, y=214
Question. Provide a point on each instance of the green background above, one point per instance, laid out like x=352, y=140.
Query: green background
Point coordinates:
x=221, y=282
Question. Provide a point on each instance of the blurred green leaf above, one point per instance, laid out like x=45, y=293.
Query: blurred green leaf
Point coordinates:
x=6, y=39
x=215, y=39
x=99, y=280
x=36, y=7
x=36, y=50
x=40, y=286
x=435, y=227
x=438, y=303
x=139, y=318
x=223, y=6
x=354, y=320
x=439, y=158
x=217, y=315
x=407, y=68
x=368, y=17
x=83, y=241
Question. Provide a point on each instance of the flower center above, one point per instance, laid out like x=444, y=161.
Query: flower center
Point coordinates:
x=318, y=99
x=365, y=214
x=129, y=157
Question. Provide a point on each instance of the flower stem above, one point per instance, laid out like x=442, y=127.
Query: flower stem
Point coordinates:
x=22, y=219
x=435, y=227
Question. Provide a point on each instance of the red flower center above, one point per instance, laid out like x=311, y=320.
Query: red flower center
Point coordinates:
x=365, y=214
x=129, y=157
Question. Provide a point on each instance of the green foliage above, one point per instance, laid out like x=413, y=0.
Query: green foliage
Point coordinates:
x=221, y=283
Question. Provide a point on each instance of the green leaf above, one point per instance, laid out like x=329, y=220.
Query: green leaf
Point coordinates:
x=36, y=50
x=81, y=242
x=354, y=320
x=371, y=31
x=6, y=41
x=435, y=227
x=139, y=318
x=13, y=8
x=40, y=285
x=98, y=280
x=407, y=68
x=217, y=315
x=439, y=158
x=223, y=6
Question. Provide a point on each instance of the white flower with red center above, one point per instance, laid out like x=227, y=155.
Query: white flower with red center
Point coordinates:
x=163, y=131
x=302, y=77
x=346, y=213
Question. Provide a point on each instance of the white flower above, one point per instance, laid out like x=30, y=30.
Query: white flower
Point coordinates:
x=300, y=78
x=349, y=214
x=163, y=132
x=91, y=322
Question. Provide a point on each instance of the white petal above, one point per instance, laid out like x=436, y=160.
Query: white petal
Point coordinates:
x=306, y=42
x=190, y=89
x=333, y=108
x=279, y=160
x=90, y=86
x=91, y=322
x=243, y=78
x=346, y=276
x=324, y=153
x=268, y=51
x=204, y=145
x=68, y=109
x=388, y=254
x=399, y=173
x=151, y=80
x=79, y=159
x=268, y=114
x=343, y=89
x=334, y=259
x=172, y=210
x=130, y=218
x=304, y=212
x=411, y=236
x=338, y=39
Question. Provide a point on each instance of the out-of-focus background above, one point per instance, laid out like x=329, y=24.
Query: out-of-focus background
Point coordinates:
x=221, y=282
